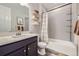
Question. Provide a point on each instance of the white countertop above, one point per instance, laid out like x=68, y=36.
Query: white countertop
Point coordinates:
x=13, y=38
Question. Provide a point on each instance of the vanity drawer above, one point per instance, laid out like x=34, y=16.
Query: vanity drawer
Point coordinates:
x=8, y=48
x=19, y=52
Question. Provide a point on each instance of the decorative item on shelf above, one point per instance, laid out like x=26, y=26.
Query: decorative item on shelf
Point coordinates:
x=35, y=17
x=35, y=23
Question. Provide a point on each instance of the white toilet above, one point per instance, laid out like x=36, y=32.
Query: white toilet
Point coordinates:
x=41, y=50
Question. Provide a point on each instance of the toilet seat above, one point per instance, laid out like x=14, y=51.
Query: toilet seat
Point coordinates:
x=41, y=46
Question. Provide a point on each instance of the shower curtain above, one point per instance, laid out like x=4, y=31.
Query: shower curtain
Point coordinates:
x=44, y=28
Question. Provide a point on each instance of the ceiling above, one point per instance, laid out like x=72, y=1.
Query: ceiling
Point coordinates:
x=47, y=6
x=15, y=6
x=9, y=4
x=12, y=5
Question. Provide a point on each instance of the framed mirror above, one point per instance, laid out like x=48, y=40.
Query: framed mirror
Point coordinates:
x=13, y=14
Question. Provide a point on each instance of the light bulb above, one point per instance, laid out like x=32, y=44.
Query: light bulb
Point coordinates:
x=24, y=4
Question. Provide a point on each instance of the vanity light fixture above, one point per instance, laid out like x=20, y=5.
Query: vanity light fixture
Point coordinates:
x=24, y=4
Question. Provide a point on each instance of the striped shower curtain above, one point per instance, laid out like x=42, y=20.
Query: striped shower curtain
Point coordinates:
x=44, y=28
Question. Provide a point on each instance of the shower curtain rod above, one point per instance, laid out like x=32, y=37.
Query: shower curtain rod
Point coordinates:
x=57, y=7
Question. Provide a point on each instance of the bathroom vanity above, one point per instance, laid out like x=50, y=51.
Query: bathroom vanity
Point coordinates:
x=19, y=46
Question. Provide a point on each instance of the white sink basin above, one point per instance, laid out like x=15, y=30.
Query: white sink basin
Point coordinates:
x=22, y=35
x=17, y=36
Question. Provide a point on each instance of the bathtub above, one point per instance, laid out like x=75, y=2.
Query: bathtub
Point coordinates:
x=61, y=47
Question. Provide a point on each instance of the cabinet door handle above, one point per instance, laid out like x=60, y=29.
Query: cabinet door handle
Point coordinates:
x=24, y=50
x=28, y=48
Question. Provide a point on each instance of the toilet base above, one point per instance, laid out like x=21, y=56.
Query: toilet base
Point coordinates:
x=41, y=52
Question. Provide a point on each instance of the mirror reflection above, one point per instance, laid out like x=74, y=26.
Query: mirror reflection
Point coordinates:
x=13, y=17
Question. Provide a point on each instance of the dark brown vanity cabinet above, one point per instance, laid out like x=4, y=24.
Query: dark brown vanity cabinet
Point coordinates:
x=18, y=52
x=25, y=47
x=31, y=49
